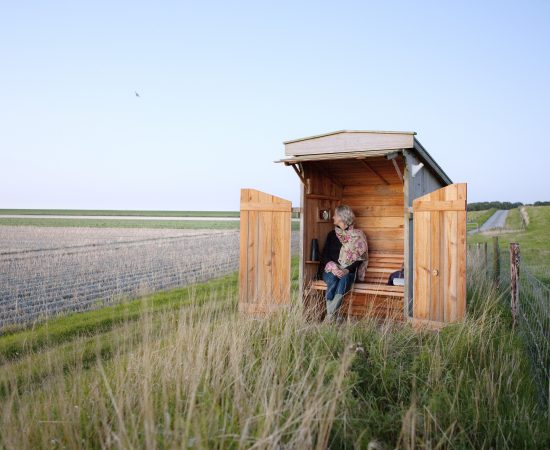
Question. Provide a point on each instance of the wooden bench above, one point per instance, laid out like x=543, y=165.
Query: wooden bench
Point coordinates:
x=374, y=297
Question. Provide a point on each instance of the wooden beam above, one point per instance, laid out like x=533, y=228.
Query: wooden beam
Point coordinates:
x=323, y=197
x=258, y=206
x=439, y=205
x=397, y=169
x=367, y=165
x=300, y=175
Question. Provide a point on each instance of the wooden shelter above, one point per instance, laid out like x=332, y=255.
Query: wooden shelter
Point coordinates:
x=411, y=213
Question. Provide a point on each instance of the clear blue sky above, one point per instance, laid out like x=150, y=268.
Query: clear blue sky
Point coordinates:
x=222, y=84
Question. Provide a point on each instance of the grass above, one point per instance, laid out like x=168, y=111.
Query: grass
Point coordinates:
x=183, y=369
x=534, y=240
x=17, y=342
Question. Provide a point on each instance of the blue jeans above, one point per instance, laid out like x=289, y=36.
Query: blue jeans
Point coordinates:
x=337, y=286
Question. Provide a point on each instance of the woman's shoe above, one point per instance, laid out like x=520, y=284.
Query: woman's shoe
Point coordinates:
x=334, y=304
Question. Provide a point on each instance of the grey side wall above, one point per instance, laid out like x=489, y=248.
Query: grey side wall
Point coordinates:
x=424, y=182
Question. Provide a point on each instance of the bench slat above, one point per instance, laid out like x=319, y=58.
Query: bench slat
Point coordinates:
x=367, y=288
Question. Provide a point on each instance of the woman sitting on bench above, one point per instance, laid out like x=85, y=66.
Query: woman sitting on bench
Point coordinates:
x=345, y=257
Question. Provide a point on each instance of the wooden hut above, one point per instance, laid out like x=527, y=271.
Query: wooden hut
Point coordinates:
x=407, y=206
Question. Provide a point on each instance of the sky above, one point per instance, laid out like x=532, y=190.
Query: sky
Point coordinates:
x=222, y=84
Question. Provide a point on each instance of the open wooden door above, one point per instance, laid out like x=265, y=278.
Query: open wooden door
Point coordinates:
x=440, y=255
x=264, y=269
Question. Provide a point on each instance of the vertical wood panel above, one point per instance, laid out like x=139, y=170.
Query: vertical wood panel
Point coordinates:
x=264, y=272
x=435, y=263
x=440, y=279
x=280, y=257
x=450, y=281
x=422, y=284
x=243, y=253
x=449, y=247
x=461, y=255
x=252, y=289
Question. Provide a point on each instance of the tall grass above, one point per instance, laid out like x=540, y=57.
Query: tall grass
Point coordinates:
x=204, y=376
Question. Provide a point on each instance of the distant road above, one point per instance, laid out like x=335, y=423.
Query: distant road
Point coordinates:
x=497, y=220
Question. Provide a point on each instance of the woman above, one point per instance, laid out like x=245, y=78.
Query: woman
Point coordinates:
x=345, y=256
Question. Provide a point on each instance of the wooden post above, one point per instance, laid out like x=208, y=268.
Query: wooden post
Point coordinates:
x=496, y=262
x=514, y=281
x=485, y=258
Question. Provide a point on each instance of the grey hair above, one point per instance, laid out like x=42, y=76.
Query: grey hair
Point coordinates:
x=346, y=214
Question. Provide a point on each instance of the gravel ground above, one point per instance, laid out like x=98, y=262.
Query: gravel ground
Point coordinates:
x=46, y=271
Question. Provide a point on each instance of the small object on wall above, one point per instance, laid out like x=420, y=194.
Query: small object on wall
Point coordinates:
x=314, y=250
x=324, y=214
x=416, y=168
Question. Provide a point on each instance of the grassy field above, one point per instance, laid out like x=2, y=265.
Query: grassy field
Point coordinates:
x=130, y=223
x=122, y=223
x=534, y=240
x=109, y=212
x=182, y=369
x=473, y=216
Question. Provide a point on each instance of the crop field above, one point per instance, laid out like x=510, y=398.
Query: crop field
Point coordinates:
x=45, y=270
x=110, y=212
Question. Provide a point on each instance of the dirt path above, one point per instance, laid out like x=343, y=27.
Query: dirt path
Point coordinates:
x=497, y=220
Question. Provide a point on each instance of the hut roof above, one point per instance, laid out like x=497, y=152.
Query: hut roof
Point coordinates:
x=358, y=144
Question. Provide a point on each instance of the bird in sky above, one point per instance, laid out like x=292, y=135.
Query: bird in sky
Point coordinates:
x=137, y=95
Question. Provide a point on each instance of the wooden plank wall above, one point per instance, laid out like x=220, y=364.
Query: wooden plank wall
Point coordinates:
x=264, y=269
x=380, y=214
x=373, y=190
x=440, y=255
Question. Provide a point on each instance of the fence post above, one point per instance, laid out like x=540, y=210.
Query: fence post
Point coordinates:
x=496, y=262
x=514, y=281
x=485, y=258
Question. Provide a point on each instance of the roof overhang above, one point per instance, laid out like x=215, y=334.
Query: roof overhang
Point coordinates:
x=332, y=156
x=349, y=144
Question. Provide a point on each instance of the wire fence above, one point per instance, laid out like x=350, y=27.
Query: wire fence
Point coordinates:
x=532, y=315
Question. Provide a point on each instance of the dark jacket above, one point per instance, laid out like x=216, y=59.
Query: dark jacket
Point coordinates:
x=331, y=252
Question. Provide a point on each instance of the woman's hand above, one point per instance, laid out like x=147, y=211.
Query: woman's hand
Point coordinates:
x=341, y=272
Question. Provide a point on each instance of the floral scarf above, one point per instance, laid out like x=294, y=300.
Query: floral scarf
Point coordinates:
x=354, y=247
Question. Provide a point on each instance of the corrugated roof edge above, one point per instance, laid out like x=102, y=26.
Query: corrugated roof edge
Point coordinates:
x=423, y=153
x=348, y=131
